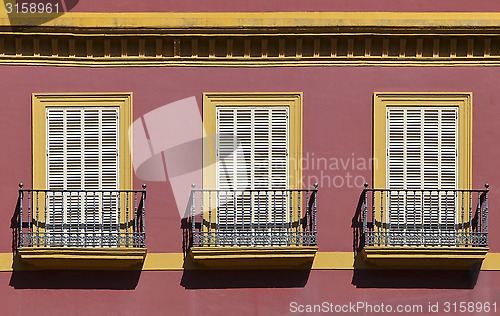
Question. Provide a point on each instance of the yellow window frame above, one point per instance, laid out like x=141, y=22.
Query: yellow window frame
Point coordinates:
x=42, y=100
x=382, y=100
x=292, y=100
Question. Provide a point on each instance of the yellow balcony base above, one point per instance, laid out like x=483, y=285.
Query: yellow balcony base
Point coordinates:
x=82, y=258
x=254, y=257
x=424, y=257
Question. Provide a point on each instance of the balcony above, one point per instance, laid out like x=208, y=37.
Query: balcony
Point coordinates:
x=81, y=228
x=253, y=227
x=424, y=227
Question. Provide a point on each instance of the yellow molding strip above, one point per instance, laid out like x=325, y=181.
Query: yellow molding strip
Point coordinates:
x=322, y=261
x=212, y=20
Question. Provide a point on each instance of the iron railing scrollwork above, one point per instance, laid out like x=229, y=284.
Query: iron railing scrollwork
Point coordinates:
x=82, y=218
x=264, y=218
x=406, y=217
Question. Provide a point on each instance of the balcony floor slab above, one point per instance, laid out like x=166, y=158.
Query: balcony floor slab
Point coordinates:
x=82, y=257
x=424, y=257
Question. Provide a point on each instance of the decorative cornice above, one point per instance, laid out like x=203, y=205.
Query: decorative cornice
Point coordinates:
x=252, y=39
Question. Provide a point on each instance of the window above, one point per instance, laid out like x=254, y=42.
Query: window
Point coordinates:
x=422, y=153
x=82, y=154
x=422, y=209
x=257, y=118
x=82, y=173
x=424, y=144
x=82, y=181
x=252, y=154
x=80, y=141
x=252, y=206
x=423, y=141
x=257, y=160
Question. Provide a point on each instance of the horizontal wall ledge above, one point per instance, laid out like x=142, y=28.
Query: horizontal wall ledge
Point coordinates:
x=178, y=262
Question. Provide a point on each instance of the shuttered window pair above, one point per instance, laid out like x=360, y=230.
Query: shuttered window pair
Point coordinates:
x=422, y=154
x=252, y=154
x=82, y=148
x=82, y=154
x=81, y=158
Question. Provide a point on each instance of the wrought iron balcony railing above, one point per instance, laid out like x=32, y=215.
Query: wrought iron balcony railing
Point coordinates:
x=82, y=218
x=264, y=218
x=432, y=218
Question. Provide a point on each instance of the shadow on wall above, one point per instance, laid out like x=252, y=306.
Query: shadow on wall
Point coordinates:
x=14, y=225
x=226, y=279
x=69, y=279
x=424, y=279
x=357, y=227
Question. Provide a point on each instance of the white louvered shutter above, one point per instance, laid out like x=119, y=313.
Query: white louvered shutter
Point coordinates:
x=252, y=153
x=82, y=154
x=422, y=153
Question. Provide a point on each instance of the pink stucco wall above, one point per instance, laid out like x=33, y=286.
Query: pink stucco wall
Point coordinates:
x=284, y=5
x=159, y=293
x=337, y=124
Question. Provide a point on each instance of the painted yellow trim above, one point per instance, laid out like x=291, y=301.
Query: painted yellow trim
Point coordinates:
x=381, y=100
x=178, y=262
x=42, y=100
x=255, y=19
